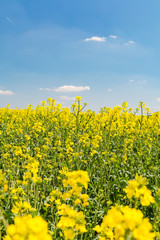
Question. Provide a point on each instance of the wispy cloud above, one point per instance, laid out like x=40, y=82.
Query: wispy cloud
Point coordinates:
x=95, y=39
x=9, y=20
x=109, y=89
x=142, y=82
x=45, y=89
x=70, y=88
x=129, y=43
x=158, y=99
x=131, y=80
x=67, y=98
x=8, y=92
x=113, y=36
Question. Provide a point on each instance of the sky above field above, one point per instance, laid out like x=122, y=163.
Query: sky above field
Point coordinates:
x=105, y=51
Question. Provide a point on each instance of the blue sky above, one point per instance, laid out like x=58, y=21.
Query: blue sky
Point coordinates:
x=105, y=51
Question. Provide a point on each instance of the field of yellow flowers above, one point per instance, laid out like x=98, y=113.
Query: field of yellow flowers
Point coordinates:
x=76, y=174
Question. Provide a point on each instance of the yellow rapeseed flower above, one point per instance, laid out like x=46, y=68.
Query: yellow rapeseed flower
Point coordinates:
x=28, y=228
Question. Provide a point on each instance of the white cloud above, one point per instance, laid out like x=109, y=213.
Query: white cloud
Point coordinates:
x=45, y=89
x=158, y=99
x=129, y=43
x=9, y=20
x=67, y=98
x=109, y=90
x=6, y=92
x=95, y=39
x=113, y=36
x=131, y=80
x=70, y=88
x=143, y=81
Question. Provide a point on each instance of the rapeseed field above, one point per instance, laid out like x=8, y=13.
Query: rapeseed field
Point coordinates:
x=76, y=174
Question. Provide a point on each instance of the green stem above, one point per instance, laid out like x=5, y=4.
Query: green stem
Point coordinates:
x=5, y=223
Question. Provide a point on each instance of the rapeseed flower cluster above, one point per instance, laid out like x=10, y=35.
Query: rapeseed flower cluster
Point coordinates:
x=71, y=222
x=74, y=181
x=3, y=184
x=21, y=207
x=32, y=173
x=122, y=222
x=55, y=195
x=28, y=228
x=136, y=188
